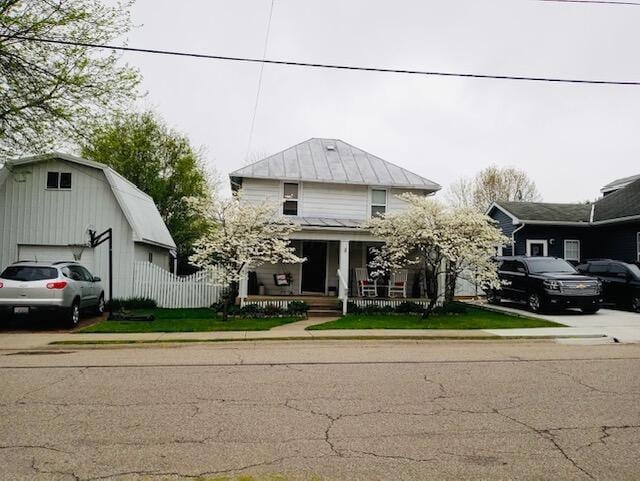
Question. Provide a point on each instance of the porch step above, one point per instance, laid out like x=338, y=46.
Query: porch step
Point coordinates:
x=324, y=313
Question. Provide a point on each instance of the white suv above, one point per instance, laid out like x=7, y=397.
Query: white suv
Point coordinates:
x=28, y=286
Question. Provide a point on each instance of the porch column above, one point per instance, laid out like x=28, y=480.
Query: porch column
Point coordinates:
x=343, y=288
x=243, y=287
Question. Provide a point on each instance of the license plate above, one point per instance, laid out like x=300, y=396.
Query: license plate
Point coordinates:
x=21, y=310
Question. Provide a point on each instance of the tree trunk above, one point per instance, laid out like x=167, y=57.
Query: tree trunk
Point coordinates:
x=451, y=281
x=431, y=283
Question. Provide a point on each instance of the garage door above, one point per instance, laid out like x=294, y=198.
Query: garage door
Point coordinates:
x=54, y=253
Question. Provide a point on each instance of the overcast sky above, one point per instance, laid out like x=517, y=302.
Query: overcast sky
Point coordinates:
x=571, y=139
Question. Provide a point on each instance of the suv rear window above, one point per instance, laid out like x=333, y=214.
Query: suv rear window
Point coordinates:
x=29, y=273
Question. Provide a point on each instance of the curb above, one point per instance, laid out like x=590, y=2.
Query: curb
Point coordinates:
x=488, y=337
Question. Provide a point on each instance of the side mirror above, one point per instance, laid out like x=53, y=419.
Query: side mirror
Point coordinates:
x=96, y=279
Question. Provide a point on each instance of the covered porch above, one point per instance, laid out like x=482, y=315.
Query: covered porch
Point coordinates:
x=335, y=269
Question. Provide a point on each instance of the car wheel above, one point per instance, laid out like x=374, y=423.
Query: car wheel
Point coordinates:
x=99, y=310
x=535, y=303
x=635, y=303
x=590, y=310
x=73, y=314
x=492, y=297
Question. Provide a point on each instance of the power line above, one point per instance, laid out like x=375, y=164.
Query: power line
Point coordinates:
x=292, y=63
x=255, y=105
x=606, y=2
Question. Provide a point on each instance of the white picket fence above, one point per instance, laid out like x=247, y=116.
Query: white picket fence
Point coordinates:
x=168, y=290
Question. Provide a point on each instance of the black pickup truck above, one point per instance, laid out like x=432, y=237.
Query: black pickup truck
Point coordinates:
x=545, y=283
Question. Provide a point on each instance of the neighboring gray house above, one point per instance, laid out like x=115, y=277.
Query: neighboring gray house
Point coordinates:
x=48, y=202
x=330, y=188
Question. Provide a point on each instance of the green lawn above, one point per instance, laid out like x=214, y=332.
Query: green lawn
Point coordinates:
x=188, y=320
x=474, y=318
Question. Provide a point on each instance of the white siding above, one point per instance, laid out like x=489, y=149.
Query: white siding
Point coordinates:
x=32, y=215
x=265, y=273
x=261, y=190
x=161, y=257
x=334, y=201
x=324, y=200
x=394, y=204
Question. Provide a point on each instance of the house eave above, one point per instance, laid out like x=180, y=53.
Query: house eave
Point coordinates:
x=548, y=222
x=237, y=180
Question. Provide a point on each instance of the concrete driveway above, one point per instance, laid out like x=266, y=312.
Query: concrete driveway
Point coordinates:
x=623, y=325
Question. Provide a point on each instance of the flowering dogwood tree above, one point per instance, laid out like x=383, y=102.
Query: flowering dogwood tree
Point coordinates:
x=443, y=241
x=241, y=236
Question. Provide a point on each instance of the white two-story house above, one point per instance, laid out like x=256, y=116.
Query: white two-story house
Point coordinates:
x=330, y=188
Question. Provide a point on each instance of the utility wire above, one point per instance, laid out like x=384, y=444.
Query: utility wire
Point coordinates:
x=606, y=2
x=255, y=105
x=330, y=66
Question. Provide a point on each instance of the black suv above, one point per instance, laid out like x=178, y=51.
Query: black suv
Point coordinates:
x=545, y=283
x=620, y=281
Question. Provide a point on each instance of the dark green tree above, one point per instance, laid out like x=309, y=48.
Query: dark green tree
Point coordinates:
x=162, y=163
x=48, y=91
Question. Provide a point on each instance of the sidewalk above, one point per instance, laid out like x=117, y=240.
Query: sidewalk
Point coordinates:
x=294, y=331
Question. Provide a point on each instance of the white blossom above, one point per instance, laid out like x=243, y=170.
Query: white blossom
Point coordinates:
x=441, y=239
x=242, y=236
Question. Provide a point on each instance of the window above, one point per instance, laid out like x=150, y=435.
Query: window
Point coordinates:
x=290, y=199
x=65, y=180
x=617, y=270
x=59, y=180
x=549, y=265
x=598, y=267
x=378, y=202
x=572, y=250
x=150, y=256
x=519, y=267
x=78, y=273
x=29, y=273
x=53, y=180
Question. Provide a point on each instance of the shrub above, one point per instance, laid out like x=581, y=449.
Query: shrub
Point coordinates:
x=297, y=308
x=451, y=308
x=272, y=310
x=408, y=307
x=250, y=310
x=132, y=303
x=217, y=306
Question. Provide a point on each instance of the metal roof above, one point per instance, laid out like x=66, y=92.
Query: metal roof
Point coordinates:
x=327, y=222
x=333, y=161
x=139, y=208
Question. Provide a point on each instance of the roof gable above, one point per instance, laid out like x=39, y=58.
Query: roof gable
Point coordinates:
x=138, y=207
x=619, y=204
x=333, y=161
x=619, y=183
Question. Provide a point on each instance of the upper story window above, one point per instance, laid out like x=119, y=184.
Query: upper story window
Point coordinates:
x=59, y=180
x=378, y=202
x=572, y=250
x=290, y=198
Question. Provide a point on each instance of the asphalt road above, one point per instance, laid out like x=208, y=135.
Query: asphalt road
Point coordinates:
x=389, y=410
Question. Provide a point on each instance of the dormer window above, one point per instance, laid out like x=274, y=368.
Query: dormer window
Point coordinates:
x=378, y=202
x=59, y=180
x=290, y=198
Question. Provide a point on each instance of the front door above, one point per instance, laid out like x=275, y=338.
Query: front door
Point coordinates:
x=314, y=269
x=537, y=248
